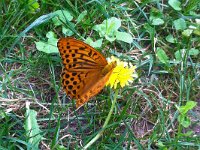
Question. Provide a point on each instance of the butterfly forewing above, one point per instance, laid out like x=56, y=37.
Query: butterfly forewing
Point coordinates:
x=77, y=55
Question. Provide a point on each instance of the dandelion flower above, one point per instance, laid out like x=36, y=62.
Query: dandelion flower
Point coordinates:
x=122, y=74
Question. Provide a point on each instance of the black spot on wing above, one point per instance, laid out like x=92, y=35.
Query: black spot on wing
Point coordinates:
x=90, y=53
x=82, y=48
x=70, y=87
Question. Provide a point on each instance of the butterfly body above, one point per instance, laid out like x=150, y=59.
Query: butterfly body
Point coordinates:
x=85, y=71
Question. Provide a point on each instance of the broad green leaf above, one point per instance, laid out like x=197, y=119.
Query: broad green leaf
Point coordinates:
x=108, y=28
x=187, y=134
x=32, y=5
x=187, y=32
x=61, y=15
x=179, y=54
x=183, y=118
x=188, y=106
x=112, y=24
x=179, y=24
x=157, y=21
x=2, y=113
x=81, y=16
x=50, y=46
x=184, y=121
x=193, y=52
x=161, y=145
x=50, y=35
x=162, y=56
x=32, y=128
x=175, y=4
x=125, y=37
x=170, y=39
x=196, y=32
x=96, y=44
x=66, y=31
x=110, y=38
x=156, y=17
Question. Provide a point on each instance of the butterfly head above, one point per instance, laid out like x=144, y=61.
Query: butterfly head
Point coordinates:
x=113, y=64
x=109, y=67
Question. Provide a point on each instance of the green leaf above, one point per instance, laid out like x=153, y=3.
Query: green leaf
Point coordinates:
x=50, y=46
x=180, y=53
x=81, y=16
x=96, y=44
x=191, y=5
x=184, y=121
x=110, y=38
x=196, y=31
x=161, y=145
x=55, y=137
x=67, y=32
x=187, y=134
x=108, y=28
x=50, y=35
x=61, y=15
x=60, y=147
x=193, y=52
x=150, y=30
x=188, y=106
x=32, y=128
x=179, y=24
x=32, y=5
x=170, y=39
x=156, y=17
x=183, y=118
x=157, y=21
x=187, y=32
x=175, y=4
x=113, y=24
x=125, y=37
x=162, y=56
x=2, y=113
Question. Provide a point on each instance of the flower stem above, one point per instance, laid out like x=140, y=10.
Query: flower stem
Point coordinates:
x=105, y=123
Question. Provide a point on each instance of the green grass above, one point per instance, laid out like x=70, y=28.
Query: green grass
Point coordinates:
x=148, y=111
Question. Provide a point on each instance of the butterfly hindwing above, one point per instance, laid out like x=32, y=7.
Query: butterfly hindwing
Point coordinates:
x=92, y=88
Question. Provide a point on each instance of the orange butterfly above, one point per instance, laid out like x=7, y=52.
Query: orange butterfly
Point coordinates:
x=85, y=71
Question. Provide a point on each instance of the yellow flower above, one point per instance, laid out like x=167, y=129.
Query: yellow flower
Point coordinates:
x=122, y=74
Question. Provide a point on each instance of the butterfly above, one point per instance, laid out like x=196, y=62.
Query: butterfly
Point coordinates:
x=85, y=70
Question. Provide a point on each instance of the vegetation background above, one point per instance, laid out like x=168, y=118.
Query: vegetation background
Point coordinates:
x=160, y=110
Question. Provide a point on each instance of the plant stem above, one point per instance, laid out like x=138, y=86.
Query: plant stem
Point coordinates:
x=105, y=123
